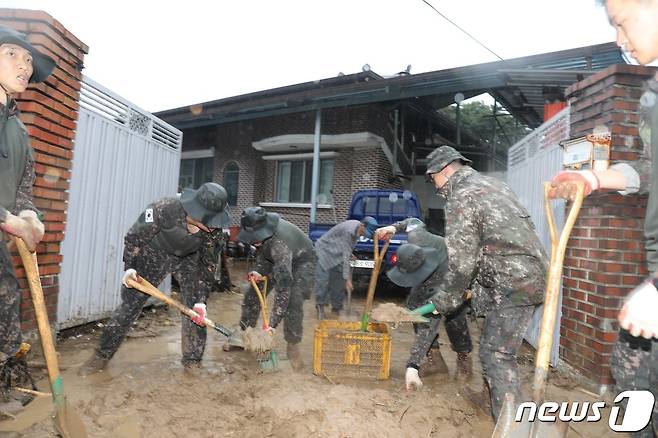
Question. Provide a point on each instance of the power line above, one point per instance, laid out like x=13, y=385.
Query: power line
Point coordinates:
x=464, y=31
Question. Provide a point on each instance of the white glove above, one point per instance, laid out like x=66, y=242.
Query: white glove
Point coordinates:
x=200, y=310
x=412, y=379
x=253, y=275
x=562, y=184
x=37, y=227
x=129, y=274
x=26, y=226
x=385, y=233
x=638, y=315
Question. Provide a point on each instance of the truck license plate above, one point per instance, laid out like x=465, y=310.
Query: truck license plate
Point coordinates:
x=370, y=264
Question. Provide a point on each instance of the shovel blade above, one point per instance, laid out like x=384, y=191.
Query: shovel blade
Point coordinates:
x=270, y=362
x=67, y=422
x=507, y=427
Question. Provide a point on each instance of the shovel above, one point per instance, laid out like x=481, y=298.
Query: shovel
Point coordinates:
x=149, y=289
x=373, y=280
x=271, y=360
x=67, y=422
x=506, y=425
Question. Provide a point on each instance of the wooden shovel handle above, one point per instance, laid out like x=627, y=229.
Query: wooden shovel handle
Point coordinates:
x=32, y=272
x=146, y=287
x=549, y=315
x=263, y=303
x=378, y=258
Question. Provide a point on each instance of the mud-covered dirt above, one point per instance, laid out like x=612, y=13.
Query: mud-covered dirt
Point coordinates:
x=145, y=392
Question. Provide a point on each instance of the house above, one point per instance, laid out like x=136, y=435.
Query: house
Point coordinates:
x=375, y=131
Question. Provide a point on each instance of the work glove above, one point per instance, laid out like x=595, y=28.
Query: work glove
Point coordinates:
x=130, y=274
x=31, y=231
x=562, y=184
x=638, y=314
x=412, y=379
x=253, y=275
x=36, y=226
x=200, y=310
x=385, y=233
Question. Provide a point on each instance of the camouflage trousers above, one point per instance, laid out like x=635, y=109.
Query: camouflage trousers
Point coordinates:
x=330, y=287
x=10, y=303
x=300, y=290
x=634, y=365
x=427, y=335
x=502, y=335
x=154, y=266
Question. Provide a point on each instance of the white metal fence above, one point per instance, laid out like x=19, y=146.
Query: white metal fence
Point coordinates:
x=531, y=162
x=123, y=159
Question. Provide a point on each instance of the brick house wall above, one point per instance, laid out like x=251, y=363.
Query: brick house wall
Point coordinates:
x=353, y=168
x=605, y=257
x=49, y=111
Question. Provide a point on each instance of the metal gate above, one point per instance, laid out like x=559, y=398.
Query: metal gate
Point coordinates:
x=123, y=159
x=531, y=162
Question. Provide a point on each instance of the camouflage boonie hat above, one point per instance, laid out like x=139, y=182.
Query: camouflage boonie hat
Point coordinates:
x=208, y=205
x=416, y=264
x=441, y=157
x=42, y=64
x=256, y=225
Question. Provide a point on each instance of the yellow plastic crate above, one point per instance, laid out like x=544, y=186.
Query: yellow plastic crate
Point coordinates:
x=341, y=349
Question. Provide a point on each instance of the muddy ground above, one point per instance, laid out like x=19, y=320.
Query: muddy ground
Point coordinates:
x=145, y=392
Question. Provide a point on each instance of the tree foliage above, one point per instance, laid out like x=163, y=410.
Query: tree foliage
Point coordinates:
x=477, y=118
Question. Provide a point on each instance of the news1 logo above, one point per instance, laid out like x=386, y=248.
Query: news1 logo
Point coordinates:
x=639, y=407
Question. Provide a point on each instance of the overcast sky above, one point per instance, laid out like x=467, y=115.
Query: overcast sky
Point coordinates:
x=165, y=54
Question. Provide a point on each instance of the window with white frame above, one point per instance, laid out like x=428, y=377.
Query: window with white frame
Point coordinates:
x=294, y=180
x=196, y=168
x=231, y=181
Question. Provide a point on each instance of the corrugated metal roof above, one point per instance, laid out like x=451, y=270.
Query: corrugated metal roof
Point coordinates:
x=518, y=83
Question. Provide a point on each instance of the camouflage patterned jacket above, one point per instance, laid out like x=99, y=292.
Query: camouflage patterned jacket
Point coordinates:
x=16, y=163
x=640, y=174
x=162, y=228
x=279, y=257
x=493, y=248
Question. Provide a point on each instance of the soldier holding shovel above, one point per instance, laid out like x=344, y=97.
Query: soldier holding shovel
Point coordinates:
x=167, y=238
x=634, y=363
x=20, y=64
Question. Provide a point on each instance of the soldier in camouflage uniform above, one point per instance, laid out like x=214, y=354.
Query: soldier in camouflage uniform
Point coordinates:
x=493, y=251
x=284, y=254
x=634, y=362
x=170, y=236
x=20, y=64
x=425, y=358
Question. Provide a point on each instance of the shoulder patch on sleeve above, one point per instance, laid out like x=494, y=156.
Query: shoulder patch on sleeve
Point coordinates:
x=148, y=216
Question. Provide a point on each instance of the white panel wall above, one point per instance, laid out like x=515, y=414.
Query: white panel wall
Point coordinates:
x=532, y=161
x=123, y=159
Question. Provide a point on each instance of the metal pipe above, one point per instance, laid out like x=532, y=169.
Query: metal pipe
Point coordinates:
x=316, y=166
x=492, y=163
x=395, y=142
x=458, y=122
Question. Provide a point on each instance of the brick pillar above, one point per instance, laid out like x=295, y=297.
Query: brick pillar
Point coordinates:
x=49, y=111
x=605, y=256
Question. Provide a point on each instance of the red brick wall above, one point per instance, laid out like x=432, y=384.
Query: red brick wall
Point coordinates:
x=605, y=256
x=49, y=111
x=233, y=142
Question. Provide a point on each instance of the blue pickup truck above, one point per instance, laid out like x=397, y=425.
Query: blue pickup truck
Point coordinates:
x=387, y=206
